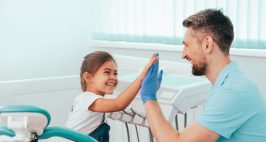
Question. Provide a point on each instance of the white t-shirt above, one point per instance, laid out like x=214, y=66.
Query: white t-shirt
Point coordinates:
x=81, y=118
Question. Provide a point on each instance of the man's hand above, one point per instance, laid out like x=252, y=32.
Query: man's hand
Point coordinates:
x=151, y=83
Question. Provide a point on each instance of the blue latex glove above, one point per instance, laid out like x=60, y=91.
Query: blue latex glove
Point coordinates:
x=151, y=83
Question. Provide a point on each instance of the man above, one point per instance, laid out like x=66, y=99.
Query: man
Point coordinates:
x=235, y=111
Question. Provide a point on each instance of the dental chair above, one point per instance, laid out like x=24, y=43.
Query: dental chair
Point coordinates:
x=5, y=133
x=25, y=123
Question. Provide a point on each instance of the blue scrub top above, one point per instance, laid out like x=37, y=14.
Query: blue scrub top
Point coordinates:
x=235, y=108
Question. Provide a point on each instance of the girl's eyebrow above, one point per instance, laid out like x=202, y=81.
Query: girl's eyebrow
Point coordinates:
x=110, y=69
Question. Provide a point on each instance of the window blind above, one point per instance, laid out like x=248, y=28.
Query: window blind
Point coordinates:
x=160, y=21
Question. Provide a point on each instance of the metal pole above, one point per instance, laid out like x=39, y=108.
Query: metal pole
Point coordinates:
x=176, y=122
x=151, y=137
x=128, y=137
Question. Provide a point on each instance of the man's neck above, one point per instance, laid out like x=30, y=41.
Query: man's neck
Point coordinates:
x=215, y=67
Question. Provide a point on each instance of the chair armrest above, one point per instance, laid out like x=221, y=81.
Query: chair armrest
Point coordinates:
x=5, y=131
x=67, y=133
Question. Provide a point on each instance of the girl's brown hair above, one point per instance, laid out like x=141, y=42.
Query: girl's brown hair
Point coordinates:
x=92, y=62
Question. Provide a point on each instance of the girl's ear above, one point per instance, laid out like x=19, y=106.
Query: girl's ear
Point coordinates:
x=87, y=77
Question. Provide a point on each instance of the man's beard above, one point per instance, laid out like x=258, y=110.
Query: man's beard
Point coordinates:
x=199, y=70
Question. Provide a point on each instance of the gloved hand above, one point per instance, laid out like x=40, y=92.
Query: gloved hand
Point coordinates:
x=151, y=83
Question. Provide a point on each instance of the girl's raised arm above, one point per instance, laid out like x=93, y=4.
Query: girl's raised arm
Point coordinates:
x=126, y=96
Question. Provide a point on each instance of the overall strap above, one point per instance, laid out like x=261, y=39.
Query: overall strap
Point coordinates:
x=103, y=117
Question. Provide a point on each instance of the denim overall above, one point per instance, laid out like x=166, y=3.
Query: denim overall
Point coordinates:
x=101, y=133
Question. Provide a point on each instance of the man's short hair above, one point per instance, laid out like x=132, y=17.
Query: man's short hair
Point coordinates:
x=214, y=23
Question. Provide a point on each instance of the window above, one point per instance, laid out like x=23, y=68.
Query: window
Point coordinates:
x=160, y=21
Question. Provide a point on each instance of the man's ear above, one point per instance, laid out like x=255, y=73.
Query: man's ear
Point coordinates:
x=207, y=44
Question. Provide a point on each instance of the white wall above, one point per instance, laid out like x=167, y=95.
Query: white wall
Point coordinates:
x=39, y=40
x=43, y=38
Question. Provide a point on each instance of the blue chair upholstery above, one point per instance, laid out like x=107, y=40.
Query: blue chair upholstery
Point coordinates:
x=5, y=131
x=65, y=133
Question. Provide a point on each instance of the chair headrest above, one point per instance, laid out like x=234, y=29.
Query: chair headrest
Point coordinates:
x=25, y=108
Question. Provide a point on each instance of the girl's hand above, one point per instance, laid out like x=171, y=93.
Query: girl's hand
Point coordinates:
x=154, y=58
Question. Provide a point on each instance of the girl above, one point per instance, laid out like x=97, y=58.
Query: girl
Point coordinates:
x=98, y=77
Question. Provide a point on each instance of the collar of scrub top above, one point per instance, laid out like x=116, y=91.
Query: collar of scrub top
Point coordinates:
x=224, y=73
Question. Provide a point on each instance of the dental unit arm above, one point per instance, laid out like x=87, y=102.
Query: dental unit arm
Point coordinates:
x=25, y=123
